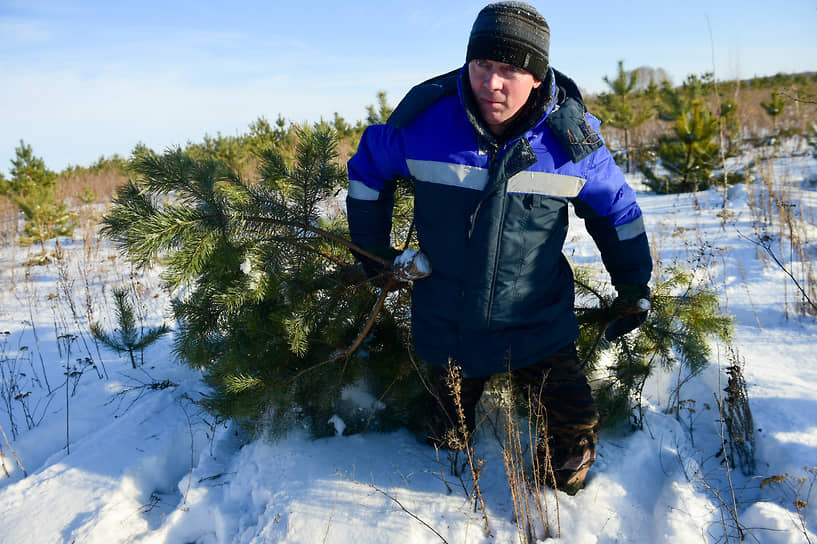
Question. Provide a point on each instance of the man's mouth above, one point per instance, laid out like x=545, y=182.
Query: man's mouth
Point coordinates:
x=490, y=103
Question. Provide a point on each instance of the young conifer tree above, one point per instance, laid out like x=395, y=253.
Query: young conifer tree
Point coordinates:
x=773, y=108
x=32, y=188
x=690, y=153
x=126, y=337
x=621, y=109
x=273, y=309
x=268, y=298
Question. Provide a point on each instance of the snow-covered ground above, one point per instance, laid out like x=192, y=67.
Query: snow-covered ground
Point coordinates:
x=131, y=457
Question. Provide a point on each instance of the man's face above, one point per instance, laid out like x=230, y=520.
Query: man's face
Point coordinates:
x=501, y=90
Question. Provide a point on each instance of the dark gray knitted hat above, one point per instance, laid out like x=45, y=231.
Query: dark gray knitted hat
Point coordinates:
x=513, y=33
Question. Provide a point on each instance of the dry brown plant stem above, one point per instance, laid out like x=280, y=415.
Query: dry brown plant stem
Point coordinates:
x=527, y=483
x=66, y=285
x=717, y=98
x=14, y=453
x=796, y=491
x=332, y=514
x=542, y=468
x=729, y=505
x=192, y=451
x=3, y=462
x=31, y=303
x=454, y=383
x=767, y=247
x=402, y=507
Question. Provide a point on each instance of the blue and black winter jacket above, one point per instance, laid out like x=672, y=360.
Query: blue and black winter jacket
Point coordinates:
x=492, y=218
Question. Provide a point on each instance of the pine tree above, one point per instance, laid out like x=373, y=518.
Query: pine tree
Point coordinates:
x=263, y=135
x=126, y=338
x=269, y=301
x=617, y=107
x=774, y=108
x=379, y=114
x=730, y=128
x=32, y=188
x=690, y=154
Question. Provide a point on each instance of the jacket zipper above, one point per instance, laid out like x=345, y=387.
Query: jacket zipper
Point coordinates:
x=494, y=152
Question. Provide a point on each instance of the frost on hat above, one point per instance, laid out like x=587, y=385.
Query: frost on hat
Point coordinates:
x=513, y=33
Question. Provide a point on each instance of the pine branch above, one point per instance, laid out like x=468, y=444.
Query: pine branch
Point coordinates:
x=391, y=283
x=107, y=339
x=326, y=234
x=150, y=336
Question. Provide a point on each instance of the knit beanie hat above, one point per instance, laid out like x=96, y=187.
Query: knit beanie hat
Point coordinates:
x=513, y=33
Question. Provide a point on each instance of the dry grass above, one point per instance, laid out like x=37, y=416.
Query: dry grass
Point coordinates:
x=9, y=222
x=526, y=465
x=78, y=187
x=460, y=439
x=784, y=224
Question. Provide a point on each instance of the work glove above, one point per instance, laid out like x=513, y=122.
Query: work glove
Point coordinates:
x=405, y=266
x=629, y=310
x=411, y=265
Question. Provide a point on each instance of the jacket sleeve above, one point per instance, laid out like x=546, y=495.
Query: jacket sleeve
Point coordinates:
x=372, y=170
x=614, y=220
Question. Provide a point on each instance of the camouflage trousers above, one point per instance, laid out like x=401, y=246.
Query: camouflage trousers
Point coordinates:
x=557, y=393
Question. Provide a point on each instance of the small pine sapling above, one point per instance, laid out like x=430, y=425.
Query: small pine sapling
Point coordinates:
x=32, y=188
x=774, y=108
x=620, y=108
x=686, y=159
x=126, y=337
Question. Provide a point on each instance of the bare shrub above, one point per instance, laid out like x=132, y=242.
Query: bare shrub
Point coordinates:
x=527, y=466
x=795, y=491
x=459, y=439
x=737, y=415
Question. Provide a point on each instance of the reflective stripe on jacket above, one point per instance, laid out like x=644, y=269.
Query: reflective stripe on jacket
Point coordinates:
x=493, y=222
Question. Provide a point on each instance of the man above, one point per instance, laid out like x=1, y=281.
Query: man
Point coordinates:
x=496, y=150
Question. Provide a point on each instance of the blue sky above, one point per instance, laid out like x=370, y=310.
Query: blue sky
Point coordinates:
x=83, y=79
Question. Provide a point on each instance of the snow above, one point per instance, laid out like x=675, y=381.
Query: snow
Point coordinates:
x=147, y=464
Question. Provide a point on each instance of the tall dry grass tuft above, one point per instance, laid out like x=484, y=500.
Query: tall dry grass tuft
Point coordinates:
x=795, y=491
x=784, y=224
x=9, y=222
x=459, y=439
x=527, y=465
x=736, y=415
x=66, y=284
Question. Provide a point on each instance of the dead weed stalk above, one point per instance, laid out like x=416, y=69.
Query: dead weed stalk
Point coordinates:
x=461, y=440
x=527, y=466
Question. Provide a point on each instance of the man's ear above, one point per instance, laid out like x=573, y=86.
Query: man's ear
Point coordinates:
x=537, y=83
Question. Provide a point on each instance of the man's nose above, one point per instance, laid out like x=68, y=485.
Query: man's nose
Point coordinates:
x=493, y=81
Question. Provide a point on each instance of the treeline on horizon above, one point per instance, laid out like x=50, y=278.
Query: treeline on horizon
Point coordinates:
x=639, y=122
